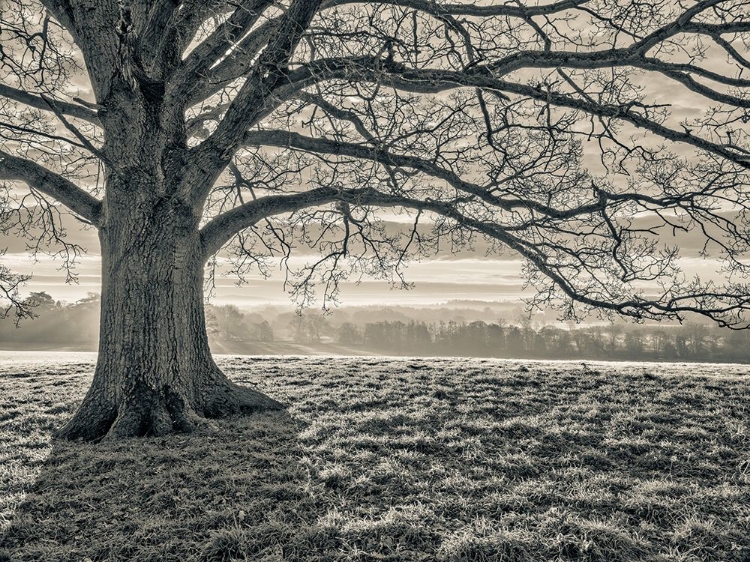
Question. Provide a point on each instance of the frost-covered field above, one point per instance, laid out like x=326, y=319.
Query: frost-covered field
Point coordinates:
x=393, y=459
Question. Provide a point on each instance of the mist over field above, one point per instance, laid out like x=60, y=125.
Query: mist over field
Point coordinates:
x=458, y=328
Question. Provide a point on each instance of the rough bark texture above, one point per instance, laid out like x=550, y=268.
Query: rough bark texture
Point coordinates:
x=154, y=372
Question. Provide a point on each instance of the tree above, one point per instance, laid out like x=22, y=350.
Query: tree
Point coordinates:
x=308, y=328
x=265, y=332
x=177, y=128
x=12, y=302
x=633, y=344
x=232, y=322
x=349, y=334
x=41, y=300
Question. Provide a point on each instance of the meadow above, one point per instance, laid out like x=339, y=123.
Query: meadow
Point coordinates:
x=393, y=459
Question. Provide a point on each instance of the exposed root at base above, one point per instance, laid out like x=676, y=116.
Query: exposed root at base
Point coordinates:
x=229, y=399
x=90, y=423
x=146, y=413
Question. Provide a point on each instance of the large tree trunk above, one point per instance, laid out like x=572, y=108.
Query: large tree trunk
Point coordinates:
x=154, y=373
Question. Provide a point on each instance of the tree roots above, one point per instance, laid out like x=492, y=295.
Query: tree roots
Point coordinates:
x=147, y=412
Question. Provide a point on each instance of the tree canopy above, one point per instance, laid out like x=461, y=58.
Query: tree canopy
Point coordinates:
x=581, y=135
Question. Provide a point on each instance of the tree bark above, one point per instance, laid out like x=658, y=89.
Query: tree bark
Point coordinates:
x=154, y=373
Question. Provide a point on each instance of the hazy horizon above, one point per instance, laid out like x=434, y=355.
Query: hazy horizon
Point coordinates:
x=438, y=279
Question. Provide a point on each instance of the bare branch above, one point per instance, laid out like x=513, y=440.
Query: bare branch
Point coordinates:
x=38, y=102
x=66, y=192
x=436, y=9
x=213, y=155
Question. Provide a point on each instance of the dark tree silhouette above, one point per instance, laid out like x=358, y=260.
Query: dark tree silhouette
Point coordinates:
x=179, y=127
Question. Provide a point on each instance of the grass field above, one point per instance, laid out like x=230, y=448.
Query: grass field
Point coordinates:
x=394, y=459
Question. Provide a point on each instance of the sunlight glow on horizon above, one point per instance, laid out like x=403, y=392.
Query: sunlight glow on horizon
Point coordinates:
x=437, y=282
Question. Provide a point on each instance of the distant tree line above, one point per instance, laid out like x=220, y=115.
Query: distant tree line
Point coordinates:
x=229, y=323
x=58, y=323
x=689, y=342
x=55, y=322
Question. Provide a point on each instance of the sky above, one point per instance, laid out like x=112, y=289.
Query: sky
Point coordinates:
x=438, y=280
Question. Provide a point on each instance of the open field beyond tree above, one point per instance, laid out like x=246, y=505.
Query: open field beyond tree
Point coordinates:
x=394, y=459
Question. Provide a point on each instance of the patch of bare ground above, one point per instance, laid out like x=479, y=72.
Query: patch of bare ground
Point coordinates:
x=394, y=459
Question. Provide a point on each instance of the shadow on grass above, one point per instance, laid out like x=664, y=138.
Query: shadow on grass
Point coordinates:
x=234, y=494
x=398, y=460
